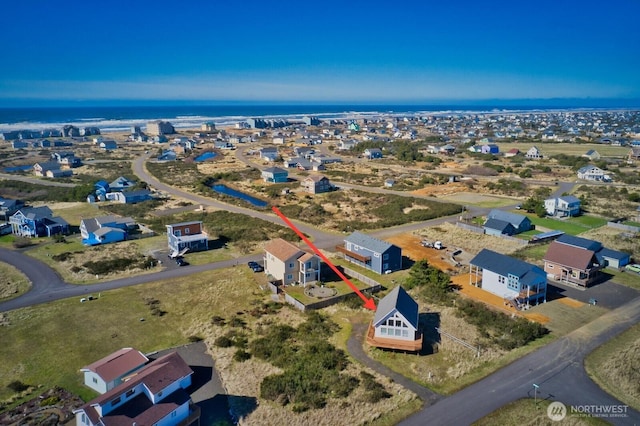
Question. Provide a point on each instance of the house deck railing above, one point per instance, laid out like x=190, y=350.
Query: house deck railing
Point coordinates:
x=361, y=258
x=391, y=343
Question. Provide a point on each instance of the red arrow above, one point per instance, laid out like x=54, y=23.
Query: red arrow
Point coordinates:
x=368, y=303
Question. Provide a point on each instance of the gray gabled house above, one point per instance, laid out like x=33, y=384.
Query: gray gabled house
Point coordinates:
x=504, y=223
x=371, y=253
x=395, y=324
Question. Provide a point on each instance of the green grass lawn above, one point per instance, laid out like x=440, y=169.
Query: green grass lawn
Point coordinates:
x=534, y=252
x=630, y=279
x=47, y=344
x=572, y=226
x=632, y=223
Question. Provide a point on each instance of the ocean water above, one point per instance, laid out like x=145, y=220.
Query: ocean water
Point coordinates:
x=122, y=118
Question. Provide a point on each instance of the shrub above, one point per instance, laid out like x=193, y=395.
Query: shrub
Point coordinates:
x=62, y=256
x=218, y=320
x=17, y=386
x=241, y=355
x=194, y=339
x=223, y=342
x=374, y=391
x=52, y=400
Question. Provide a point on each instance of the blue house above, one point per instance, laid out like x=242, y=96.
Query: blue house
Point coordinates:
x=37, y=222
x=566, y=205
x=518, y=282
x=490, y=148
x=275, y=175
x=105, y=229
x=505, y=223
x=101, y=187
x=371, y=253
x=373, y=153
x=9, y=207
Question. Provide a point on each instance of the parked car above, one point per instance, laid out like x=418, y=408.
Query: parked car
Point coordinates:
x=255, y=266
x=181, y=262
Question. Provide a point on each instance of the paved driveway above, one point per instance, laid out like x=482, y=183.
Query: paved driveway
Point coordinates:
x=607, y=294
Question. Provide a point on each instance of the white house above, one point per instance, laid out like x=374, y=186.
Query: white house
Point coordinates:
x=567, y=205
x=518, y=282
x=593, y=173
x=288, y=263
x=395, y=324
x=533, y=153
x=108, y=372
x=153, y=395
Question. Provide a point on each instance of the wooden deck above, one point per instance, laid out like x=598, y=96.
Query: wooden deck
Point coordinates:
x=387, y=343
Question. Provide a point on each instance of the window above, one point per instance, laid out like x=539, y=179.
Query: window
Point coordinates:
x=130, y=392
x=187, y=231
x=398, y=323
x=550, y=266
x=405, y=333
x=291, y=265
x=115, y=401
x=398, y=332
x=289, y=277
x=383, y=331
x=177, y=233
x=173, y=414
x=308, y=264
x=376, y=254
x=385, y=256
x=95, y=380
x=501, y=279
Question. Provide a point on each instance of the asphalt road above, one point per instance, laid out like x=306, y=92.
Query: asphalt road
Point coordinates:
x=557, y=368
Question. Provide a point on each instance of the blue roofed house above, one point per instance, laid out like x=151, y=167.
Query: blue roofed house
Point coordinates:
x=105, y=229
x=505, y=223
x=566, y=205
x=395, y=323
x=371, y=253
x=186, y=236
x=37, y=222
x=275, y=175
x=520, y=283
x=9, y=207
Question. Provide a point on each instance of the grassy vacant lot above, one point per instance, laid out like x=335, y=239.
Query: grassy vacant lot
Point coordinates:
x=549, y=149
x=13, y=283
x=615, y=366
x=566, y=317
x=527, y=412
x=572, y=226
x=630, y=279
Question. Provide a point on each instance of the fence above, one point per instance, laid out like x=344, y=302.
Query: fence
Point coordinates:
x=623, y=227
x=471, y=228
x=374, y=286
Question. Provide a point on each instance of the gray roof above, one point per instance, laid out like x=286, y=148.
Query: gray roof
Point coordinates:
x=275, y=170
x=499, y=225
x=569, y=199
x=371, y=243
x=36, y=212
x=504, y=265
x=398, y=299
x=104, y=231
x=513, y=218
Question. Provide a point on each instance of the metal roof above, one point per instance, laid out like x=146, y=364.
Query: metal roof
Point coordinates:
x=506, y=265
x=370, y=243
x=399, y=300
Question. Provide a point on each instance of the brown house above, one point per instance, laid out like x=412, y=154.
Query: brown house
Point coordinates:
x=571, y=264
x=316, y=184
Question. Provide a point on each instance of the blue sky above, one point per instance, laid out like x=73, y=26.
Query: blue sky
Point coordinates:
x=325, y=51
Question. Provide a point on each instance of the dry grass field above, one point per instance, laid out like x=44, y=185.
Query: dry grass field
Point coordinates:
x=13, y=283
x=615, y=366
x=527, y=412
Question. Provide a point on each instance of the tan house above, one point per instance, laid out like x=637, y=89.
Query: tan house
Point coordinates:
x=570, y=264
x=289, y=264
x=316, y=184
